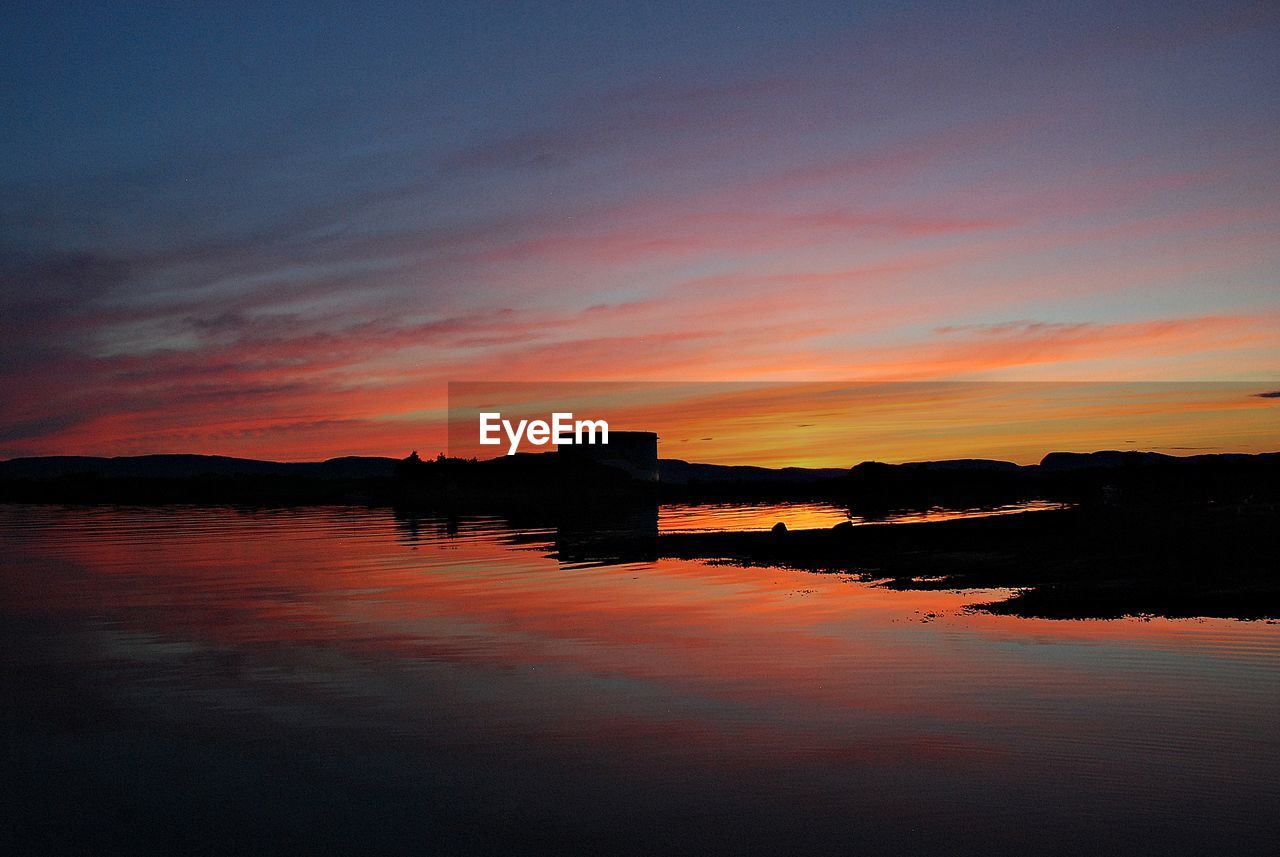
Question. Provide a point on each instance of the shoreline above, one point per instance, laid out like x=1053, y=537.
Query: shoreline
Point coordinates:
x=1179, y=561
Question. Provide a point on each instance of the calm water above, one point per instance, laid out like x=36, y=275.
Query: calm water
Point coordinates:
x=187, y=681
x=686, y=518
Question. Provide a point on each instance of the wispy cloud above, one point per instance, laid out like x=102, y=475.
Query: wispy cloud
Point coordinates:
x=891, y=197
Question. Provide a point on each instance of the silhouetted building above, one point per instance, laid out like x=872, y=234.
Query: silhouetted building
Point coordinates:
x=635, y=452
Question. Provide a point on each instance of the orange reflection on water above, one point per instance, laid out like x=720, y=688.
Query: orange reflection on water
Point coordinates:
x=462, y=635
x=686, y=518
x=225, y=578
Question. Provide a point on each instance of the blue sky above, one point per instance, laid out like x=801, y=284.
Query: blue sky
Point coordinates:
x=290, y=224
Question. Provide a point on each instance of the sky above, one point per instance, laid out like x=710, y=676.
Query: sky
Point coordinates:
x=280, y=230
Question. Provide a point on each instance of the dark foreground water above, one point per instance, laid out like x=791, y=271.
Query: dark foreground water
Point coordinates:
x=186, y=681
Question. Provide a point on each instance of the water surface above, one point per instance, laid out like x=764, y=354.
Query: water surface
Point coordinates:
x=184, y=680
x=713, y=517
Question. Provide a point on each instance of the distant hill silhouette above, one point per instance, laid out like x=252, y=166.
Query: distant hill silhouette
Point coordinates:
x=674, y=471
x=189, y=466
x=870, y=486
x=1132, y=458
x=1107, y=475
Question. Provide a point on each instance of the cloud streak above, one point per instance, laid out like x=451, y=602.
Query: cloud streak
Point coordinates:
x=899, y=195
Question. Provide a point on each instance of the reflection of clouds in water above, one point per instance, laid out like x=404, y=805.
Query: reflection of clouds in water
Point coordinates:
x=320, y=633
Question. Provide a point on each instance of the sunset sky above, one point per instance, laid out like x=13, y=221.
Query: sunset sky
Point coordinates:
x=278, y=230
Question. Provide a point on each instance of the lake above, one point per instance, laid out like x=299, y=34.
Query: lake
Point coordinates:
x=184, y=680
x=722, y=517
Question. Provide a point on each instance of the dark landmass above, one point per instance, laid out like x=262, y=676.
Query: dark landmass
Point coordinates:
x=443, y=484
x=731, y=481
x=190, y=466
x=1094, y=561
x=506, y=480
x=869, y=488
x=66, y=470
